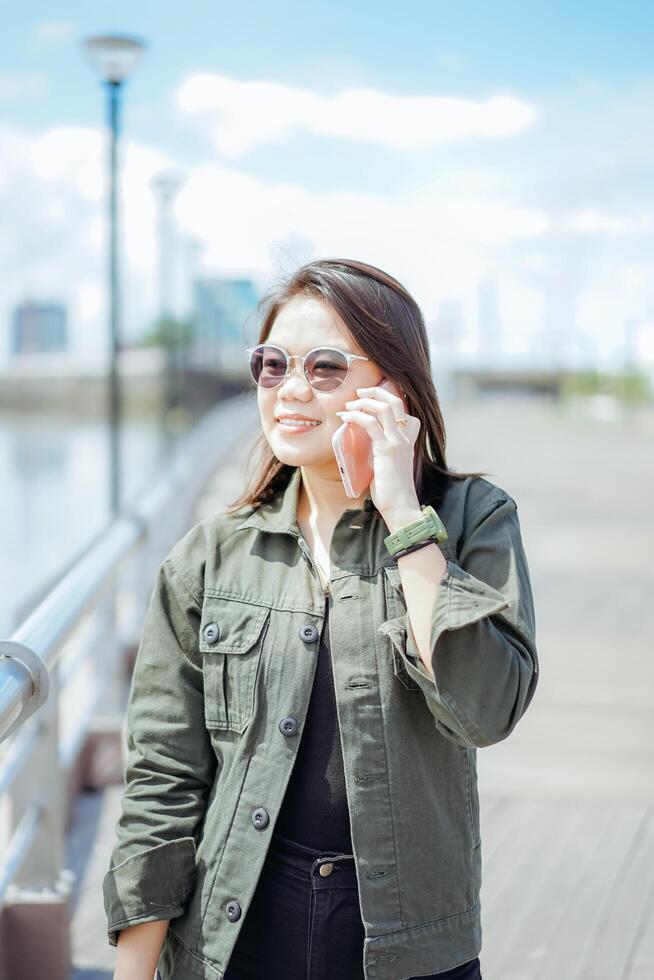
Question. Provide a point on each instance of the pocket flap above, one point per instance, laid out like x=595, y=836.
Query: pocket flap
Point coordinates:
x=228, y=626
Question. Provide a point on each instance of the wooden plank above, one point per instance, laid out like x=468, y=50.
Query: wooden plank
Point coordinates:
x=91, y=948
x=568, y=957
x=640, y=965
x=492, y=814
x=508, y=835
x=617, y=929
x=522, y=871
x=534, y=920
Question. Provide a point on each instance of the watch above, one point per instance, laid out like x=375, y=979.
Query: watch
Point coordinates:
x=424, y=528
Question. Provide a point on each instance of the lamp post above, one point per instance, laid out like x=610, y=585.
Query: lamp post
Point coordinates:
x=114, y=57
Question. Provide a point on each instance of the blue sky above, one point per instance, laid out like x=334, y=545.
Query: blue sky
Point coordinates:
x=454, y=46
x=456, y=49
x=552, y=209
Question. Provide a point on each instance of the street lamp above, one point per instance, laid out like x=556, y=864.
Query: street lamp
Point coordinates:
x=114, y=57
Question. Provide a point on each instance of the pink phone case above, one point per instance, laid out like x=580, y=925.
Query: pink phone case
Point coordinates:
x=353, y=451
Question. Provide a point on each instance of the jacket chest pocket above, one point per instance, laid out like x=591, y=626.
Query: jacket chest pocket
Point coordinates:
x=396, y=610
x=231, y=642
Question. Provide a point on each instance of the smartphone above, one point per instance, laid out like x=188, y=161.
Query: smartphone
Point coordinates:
x=353, y=450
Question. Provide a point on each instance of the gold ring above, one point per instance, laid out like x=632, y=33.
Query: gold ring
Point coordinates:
x=403, y=421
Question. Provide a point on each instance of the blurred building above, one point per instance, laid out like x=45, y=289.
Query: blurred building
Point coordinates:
x=490, y=347
x=447, y=330
x=38, y=328
x=222, y=305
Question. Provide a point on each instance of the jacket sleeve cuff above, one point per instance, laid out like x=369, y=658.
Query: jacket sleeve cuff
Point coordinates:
x=461, y=600
x=148, y=886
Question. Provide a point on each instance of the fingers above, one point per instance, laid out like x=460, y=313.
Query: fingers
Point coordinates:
x=385, y=395
x=369, y=422
x=382, y=393
x=389, y=411
x=376, y=418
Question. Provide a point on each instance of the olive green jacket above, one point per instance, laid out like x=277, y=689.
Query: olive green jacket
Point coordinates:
x=218, y=702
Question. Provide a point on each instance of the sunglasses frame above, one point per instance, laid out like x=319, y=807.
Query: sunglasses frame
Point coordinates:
x=302, y=357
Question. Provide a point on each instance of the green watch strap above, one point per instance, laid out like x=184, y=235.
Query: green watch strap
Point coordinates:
x=427, y=526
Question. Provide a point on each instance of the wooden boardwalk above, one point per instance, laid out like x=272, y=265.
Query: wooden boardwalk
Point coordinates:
x=567, y=802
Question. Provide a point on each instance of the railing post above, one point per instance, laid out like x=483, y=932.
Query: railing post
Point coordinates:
x=41, y=889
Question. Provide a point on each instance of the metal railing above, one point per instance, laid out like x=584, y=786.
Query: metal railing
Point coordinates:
x=63, y=672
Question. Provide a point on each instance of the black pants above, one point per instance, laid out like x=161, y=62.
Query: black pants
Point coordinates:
x=304, y=924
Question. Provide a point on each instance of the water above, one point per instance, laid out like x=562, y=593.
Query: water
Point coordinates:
x=55, y=494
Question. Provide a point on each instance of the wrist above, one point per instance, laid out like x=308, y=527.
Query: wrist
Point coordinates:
x=399, y=516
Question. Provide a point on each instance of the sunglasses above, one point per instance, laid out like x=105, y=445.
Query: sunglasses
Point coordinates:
x=325, y=368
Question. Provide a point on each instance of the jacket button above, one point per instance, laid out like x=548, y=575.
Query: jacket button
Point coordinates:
x=308, y=633
x=259, y=817
x=211, y=633
x=288, y=725
x=233, y=910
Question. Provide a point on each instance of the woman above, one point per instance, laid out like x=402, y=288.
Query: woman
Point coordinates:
x=307, y=701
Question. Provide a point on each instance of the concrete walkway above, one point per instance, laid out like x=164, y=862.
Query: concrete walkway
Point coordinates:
x=567, y=802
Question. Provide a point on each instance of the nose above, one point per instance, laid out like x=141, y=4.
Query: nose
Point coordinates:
x=298, y=371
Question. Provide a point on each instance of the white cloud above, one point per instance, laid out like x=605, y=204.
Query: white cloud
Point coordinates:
x=245, y=114
x=15, y=86
x=525, y=311
x=595, y=222
x=634, y=277
x=436, y=244
x=72, y=154
x=645, y=342
x=53, y=32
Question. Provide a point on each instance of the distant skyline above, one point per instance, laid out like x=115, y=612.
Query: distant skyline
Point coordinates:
x=492, y=158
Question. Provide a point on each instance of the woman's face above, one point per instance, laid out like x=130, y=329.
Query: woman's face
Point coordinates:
x=302, y=324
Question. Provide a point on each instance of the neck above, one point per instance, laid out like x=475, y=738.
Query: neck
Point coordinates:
x=322, y=499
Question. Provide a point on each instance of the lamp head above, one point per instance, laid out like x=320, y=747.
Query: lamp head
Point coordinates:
x=114, y=56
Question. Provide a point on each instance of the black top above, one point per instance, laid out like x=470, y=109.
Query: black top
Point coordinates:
x=314, y=811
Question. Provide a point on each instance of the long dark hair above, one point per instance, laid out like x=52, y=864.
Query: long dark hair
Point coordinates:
x=388, y=326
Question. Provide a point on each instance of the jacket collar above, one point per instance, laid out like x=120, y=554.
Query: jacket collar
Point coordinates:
x=280, y=513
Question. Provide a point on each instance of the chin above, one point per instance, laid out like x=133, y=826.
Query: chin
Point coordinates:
x=301, y=455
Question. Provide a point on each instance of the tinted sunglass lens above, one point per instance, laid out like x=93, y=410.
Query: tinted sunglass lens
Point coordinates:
x=268, y=366
x=326, y=369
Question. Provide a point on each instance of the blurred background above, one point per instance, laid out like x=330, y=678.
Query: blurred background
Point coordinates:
x=159, y=168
